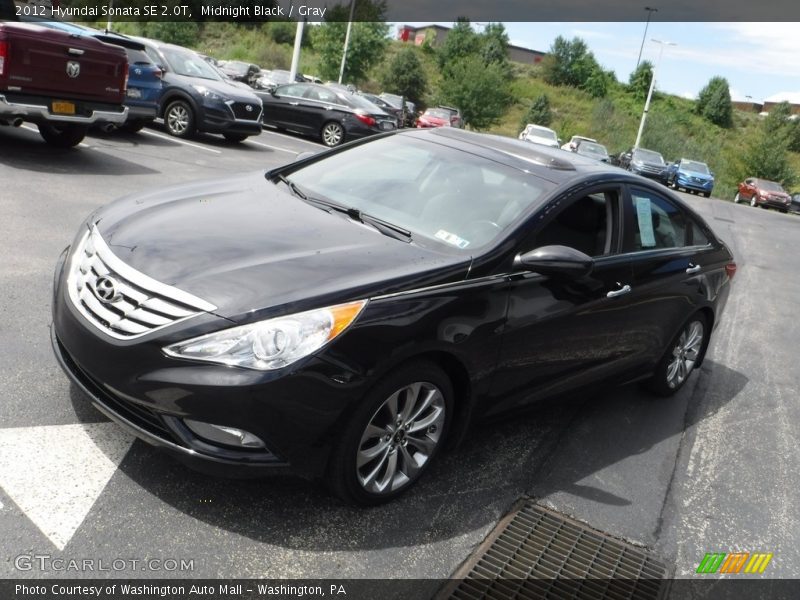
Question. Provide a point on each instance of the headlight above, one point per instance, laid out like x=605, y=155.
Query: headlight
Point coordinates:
x=207, y=93
x=271, y=344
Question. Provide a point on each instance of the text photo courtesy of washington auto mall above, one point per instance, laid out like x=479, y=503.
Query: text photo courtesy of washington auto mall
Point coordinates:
x=399, y=300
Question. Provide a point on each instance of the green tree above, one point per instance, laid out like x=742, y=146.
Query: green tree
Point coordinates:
x=480, y=90
x=181, y=33
x=405, y=76
x=539, y=112
x=766, y=154
x=598, y=82
x=368, y=43
x=639, y=81
x=714, y=102
x=570, y=63
x=461, y=42
x=494, y=45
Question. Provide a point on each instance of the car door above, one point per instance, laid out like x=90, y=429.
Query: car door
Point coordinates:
x=319, y=106
x=284, y=105
x=562, y=333
x=670, y=256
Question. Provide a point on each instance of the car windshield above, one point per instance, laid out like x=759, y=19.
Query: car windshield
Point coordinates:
x=189, y=64
x=280, y=76
x=648, y=156
x=435, y=192
x=543, y=132
x=593, y=150
x=395, y=101
x=694, y=166
x=437, y=113
x=238, y=67
x=770, y=186
x=359, y=102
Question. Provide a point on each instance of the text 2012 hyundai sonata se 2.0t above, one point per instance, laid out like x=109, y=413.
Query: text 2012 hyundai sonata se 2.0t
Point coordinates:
x=345, y=315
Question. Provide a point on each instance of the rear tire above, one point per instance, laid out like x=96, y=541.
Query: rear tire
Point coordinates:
x=332, y=134
x=392, y=436
x=680, y=358
x=179, y=119
x=235, y=137
x=62, y=136
x=753, y=202
x=737, y=198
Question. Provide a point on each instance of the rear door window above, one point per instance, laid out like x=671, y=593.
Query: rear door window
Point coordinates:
x=655, y=223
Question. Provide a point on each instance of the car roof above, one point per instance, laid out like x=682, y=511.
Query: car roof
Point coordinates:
x=552, y=164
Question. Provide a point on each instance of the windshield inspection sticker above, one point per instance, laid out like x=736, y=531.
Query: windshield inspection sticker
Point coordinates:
x=452, y=238
x=645, y=217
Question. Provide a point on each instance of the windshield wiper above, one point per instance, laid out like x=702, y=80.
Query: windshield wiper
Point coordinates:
x=384, y=227
x=292, y=186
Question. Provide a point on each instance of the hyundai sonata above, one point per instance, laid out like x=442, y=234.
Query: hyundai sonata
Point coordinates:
x=344, y=315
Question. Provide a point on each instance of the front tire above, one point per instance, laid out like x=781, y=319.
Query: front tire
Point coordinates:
x=179, y=119
x=393, y=436
x=332, y=134
x=753, y=201
x=62, y=136
x=737, y=198
x=680, y=358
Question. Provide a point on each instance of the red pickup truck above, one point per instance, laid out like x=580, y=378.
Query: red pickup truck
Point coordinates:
x=60, y=82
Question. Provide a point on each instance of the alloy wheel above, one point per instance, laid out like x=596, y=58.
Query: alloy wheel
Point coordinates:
x=332, y=134
x=685, y=354
x=178, y=119
x=400, y=438
x=736, y=198
x=753, y=202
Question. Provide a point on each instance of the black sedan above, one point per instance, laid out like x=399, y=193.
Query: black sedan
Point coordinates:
x=333, y=115
x=344, y=315
x=196, y=97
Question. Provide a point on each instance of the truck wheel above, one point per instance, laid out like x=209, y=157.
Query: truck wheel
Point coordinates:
x=62, y=136
x=179, y=119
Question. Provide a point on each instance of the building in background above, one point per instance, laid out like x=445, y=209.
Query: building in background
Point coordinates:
x=435, y=35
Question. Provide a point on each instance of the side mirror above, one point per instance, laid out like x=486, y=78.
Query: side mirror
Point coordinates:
x=556, y=261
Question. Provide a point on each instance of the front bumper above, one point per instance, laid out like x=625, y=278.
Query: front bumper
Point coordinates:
x=650, y=174
x=218, y=117
x=773, y=203
x=697, y=186
x=37, y=110
x=296, y=414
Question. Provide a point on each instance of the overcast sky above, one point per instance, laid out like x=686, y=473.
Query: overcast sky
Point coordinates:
x=758, y=59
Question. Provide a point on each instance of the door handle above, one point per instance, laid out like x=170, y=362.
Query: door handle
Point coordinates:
x=294, y=103
x=625, y=289
x=693, y=268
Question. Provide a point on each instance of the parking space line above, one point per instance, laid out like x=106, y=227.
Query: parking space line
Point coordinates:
x=29, y=128
x=273, y=147
x=291, y=137
x=180, y=141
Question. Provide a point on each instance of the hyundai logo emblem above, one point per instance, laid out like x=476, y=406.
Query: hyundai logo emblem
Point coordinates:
x=248, y=108
x=105, y=288
x=73, y=69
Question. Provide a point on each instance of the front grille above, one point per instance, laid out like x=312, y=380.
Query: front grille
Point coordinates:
x=240, y=111
x=118, y=299
x=649, y=169
x=536, y=553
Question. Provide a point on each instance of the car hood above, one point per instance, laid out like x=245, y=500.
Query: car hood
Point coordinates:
x=228, y=89
x=252, y=249
x=775, y=194
x=536, y=139
x=703, y=176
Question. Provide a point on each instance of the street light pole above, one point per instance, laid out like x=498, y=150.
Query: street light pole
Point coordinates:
x=650, y=91
x=347, y=39
x=650, y=11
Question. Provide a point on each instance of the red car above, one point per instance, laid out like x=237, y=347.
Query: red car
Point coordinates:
x=434, y=117
x=763, y=193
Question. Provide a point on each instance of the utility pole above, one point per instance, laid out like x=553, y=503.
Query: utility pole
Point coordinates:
x=347, y=39
x=650, y=11
x=650, y=91
x=298, y=40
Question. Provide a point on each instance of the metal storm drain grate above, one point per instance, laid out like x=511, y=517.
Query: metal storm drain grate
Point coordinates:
x=536, y=553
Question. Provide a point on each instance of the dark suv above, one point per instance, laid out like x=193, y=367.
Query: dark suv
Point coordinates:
x=641, y=161
x=197, y=98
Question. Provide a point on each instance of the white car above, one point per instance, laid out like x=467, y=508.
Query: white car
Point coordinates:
x=540, y=135
x=572, y=144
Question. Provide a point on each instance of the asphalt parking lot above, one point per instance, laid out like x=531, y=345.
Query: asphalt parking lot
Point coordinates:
x=715, y=469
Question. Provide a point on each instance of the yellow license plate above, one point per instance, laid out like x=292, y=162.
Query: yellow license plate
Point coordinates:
x=64, y=108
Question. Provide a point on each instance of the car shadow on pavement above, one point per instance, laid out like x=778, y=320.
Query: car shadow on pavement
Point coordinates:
x=31, y=153
x=466, y=491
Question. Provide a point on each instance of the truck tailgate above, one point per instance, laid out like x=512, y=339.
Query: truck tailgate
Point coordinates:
x=42, y=61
